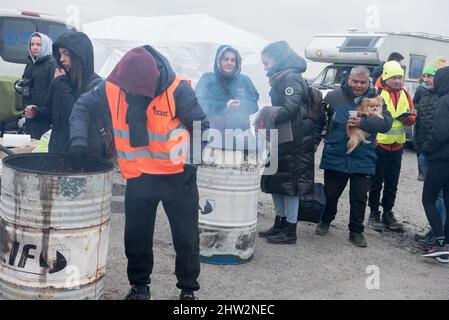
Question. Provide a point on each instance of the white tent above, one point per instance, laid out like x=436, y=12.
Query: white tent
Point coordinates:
x=188, y=41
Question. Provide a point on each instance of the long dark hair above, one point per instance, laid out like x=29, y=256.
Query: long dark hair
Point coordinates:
x=76, y=72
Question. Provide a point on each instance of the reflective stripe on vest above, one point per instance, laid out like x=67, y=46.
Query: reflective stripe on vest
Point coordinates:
x=397, y=131
x=168, y=139
x=124, y=134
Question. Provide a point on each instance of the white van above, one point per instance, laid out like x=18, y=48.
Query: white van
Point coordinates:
x=345, y=50
x=16, y=28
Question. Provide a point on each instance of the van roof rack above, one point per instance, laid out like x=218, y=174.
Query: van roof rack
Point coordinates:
x=426, y=35
x=370, y=33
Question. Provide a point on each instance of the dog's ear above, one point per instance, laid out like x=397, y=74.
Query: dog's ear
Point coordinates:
x=364, y=103
x=379, y=100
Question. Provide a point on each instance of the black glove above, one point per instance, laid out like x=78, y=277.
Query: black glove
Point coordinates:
x=403, y=116
x=77, y=156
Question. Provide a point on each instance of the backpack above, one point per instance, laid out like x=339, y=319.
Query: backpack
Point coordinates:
x=316, y=110
x=312, y=204
x=106, y=134
x=311, y=207
x=314, y=103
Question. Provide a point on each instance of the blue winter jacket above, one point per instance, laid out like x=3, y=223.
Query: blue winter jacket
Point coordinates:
x=215, y=89
x=363, y=158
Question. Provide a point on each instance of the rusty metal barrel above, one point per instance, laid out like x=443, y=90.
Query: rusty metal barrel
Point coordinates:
x=54, y=227
x=229, y=188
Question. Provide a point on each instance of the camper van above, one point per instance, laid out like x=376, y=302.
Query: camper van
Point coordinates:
x=16, y=28
x=343, y=51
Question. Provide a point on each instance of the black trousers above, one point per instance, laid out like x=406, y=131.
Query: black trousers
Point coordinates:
x=179, y=196
x=388, y=169
x=334, y=184
x=437, y=178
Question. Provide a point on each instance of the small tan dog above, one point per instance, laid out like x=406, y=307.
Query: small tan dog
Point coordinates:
x=369, y=107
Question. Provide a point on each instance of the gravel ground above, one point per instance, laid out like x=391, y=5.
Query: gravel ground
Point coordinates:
x=328, y=267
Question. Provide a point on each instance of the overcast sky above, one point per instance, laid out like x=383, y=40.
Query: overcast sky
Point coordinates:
x=291, y=20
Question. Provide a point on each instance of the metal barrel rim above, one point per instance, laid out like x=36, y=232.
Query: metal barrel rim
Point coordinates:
x=8, y=162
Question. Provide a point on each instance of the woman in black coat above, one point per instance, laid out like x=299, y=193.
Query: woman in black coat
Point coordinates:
x=295, y=175
x=36, y=80
x=75, y=75
x=436, y=151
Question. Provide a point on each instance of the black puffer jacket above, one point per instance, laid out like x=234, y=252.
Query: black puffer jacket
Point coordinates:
x=295, y=175
x=437, y=147
x=39, y=73
x=63, y=95
x=426, y=106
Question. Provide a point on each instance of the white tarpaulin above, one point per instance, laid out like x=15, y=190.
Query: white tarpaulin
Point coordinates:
x=188, y=41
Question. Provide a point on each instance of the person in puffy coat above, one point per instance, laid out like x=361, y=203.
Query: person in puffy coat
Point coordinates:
x=74, y=76
x=426, y=102
x=226, y=95
x=436, y=150
x=356, y=167
x=295, y=174
x=36, y=80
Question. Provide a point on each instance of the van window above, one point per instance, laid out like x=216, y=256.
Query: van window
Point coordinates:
x=54, y=30
x=334, y=76
x=416, y=66
x=330, y=76
x=14, y=36
x=358, y=44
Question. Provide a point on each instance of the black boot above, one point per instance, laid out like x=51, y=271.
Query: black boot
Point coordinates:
x=279, y=225
x=375, y=222
x=390, y=222
x=187, y=295
x=358, y=239
x=322, y=228
x=286, y=236
x=139, y=292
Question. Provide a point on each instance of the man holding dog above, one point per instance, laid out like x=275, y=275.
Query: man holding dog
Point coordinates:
x=357, y=166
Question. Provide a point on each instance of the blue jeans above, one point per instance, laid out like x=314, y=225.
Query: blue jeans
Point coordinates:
x=424, y=165
x=286, y=206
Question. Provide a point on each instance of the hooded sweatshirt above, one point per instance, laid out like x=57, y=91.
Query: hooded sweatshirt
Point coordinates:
x=215, y=89
x=46, y=49
x=80, y=45
x=63, y=93
x=39, y=73
x=94, y=104
x=137, y=74
x=221, y=50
